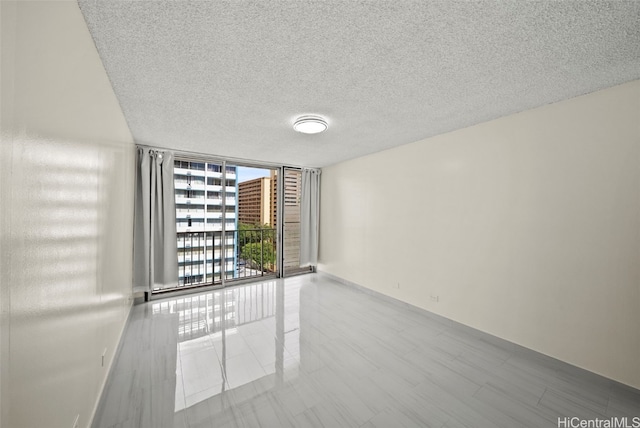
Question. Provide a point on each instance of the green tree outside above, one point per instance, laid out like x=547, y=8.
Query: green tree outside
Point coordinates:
x=251, y=253
x=252, y=237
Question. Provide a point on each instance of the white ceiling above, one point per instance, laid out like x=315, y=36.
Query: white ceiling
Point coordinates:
x=229, y=77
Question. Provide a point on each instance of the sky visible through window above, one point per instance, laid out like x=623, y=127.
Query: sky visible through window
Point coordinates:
x=248, y=173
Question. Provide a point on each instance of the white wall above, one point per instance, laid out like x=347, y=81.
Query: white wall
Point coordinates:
x=526, y=227
x=66, y=191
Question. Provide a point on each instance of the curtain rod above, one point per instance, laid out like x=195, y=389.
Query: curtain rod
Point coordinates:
x=239, y=161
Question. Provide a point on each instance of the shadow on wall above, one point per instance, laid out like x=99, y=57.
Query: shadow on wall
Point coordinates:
x=69, y=276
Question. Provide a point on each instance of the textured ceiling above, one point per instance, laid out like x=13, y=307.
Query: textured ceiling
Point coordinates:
x=229, y=77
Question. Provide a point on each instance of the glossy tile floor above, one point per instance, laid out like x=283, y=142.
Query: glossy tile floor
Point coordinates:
x=310, y=352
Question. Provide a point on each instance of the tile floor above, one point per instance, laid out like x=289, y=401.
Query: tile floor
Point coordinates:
x=310, y=352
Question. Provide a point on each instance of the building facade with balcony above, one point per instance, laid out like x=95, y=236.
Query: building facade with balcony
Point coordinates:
x=200, y=190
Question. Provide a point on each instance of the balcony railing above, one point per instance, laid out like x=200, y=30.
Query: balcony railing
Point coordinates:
x=256, y=252
x=202, y=260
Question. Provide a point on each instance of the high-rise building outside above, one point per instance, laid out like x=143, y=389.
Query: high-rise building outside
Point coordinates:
x=199, y=190
x=274, y=198
x=256, y=201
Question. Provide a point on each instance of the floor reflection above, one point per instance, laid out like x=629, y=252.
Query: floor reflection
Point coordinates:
x=232, y=337
x=310, y=352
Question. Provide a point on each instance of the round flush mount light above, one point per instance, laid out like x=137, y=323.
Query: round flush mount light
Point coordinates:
x=310, y=124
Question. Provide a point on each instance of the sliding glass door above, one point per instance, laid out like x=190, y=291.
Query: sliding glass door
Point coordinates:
x=226, y=218
x=256, y=233
x=235, y=222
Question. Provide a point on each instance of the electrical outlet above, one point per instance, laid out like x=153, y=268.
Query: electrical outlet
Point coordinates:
x=435, y=298
x=75, y=423
x=397, y=285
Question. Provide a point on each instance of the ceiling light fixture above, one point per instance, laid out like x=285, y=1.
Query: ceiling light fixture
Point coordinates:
x=310, y=124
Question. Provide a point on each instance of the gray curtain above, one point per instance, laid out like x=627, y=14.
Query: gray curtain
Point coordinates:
x=155, y=259
x=309, y=214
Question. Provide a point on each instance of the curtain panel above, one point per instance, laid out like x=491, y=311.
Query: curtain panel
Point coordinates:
x=155, y=259
x=309, y=214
